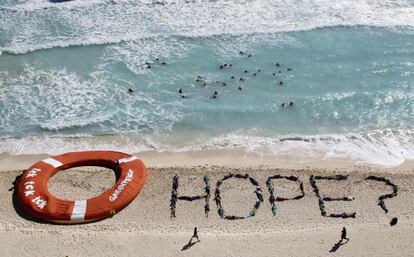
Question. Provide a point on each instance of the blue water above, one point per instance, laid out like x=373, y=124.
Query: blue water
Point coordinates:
x=65, y=71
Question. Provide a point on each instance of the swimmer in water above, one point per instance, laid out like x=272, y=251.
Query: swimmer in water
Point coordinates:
x=282, y=105
x=240, y=88
x=291, y=104
x=130, y=91
x=241, y=79
x=232, y=77
x=277, y=64
x=281, y=83
x=215, y=94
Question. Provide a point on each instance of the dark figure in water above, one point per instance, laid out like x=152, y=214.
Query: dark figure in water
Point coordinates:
x=149, y=66
x=254, y=74
x=163, y=63
x=343, y=234
x=283, y=105
x=288, y=69
x=274, y=74
x=240, y=88
x=215, y=94
x=246, y=71
x=281, y=83
x=277, y=64
x=241, y=52
x=221, y=67
x=291, y=104
x=280, y=71
x=232, y=77
x=181, y=93
x=241, y=79
x=130, y=91
x=250, y=55
x=259, y=70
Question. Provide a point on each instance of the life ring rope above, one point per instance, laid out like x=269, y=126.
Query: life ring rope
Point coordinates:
x=36, y=199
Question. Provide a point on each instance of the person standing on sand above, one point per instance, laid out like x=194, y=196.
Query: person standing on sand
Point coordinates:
x=343, y=234
x=195, y=235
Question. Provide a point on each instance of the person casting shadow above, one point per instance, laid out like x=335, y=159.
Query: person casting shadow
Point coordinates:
x=191, y=243
x=342, y=241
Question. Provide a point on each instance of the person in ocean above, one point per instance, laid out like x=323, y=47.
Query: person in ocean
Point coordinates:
x=215, y=94
x=181, y=93
x=130, y=91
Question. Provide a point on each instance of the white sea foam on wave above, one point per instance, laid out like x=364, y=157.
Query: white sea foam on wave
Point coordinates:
x=104, y=22
x=135, y=54
x=381, y=147
x=57, y=100
x=51, y=99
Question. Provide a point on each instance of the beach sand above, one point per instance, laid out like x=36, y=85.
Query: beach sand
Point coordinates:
x=145, y=227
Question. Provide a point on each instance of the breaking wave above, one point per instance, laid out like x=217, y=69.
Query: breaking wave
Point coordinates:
x=79, y=23
x=380, y=147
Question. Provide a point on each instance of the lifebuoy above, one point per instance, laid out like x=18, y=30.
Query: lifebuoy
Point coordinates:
x=35, y=198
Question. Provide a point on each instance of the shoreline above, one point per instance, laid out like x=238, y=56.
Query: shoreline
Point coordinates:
x=227, y=158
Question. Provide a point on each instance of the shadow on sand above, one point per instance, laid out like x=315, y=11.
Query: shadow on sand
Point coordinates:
x=338, y=244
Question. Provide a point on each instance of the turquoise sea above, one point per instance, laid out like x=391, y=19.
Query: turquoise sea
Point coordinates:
x=347, y=66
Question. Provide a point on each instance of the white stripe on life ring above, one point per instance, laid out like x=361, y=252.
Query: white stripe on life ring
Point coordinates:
x=53, y=162
x=129, y=159
x=79, y=210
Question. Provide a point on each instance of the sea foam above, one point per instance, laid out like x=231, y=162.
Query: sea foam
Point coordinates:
x=80, y=23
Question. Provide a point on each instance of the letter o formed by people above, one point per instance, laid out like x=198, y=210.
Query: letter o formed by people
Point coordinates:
x=35, y=198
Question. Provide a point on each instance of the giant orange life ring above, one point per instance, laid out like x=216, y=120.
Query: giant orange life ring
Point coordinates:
x=35, y=198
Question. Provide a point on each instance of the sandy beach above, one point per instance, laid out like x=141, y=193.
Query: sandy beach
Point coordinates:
x=145, y=227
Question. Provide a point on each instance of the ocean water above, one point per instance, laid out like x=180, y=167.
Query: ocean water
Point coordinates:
x=65, y=71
